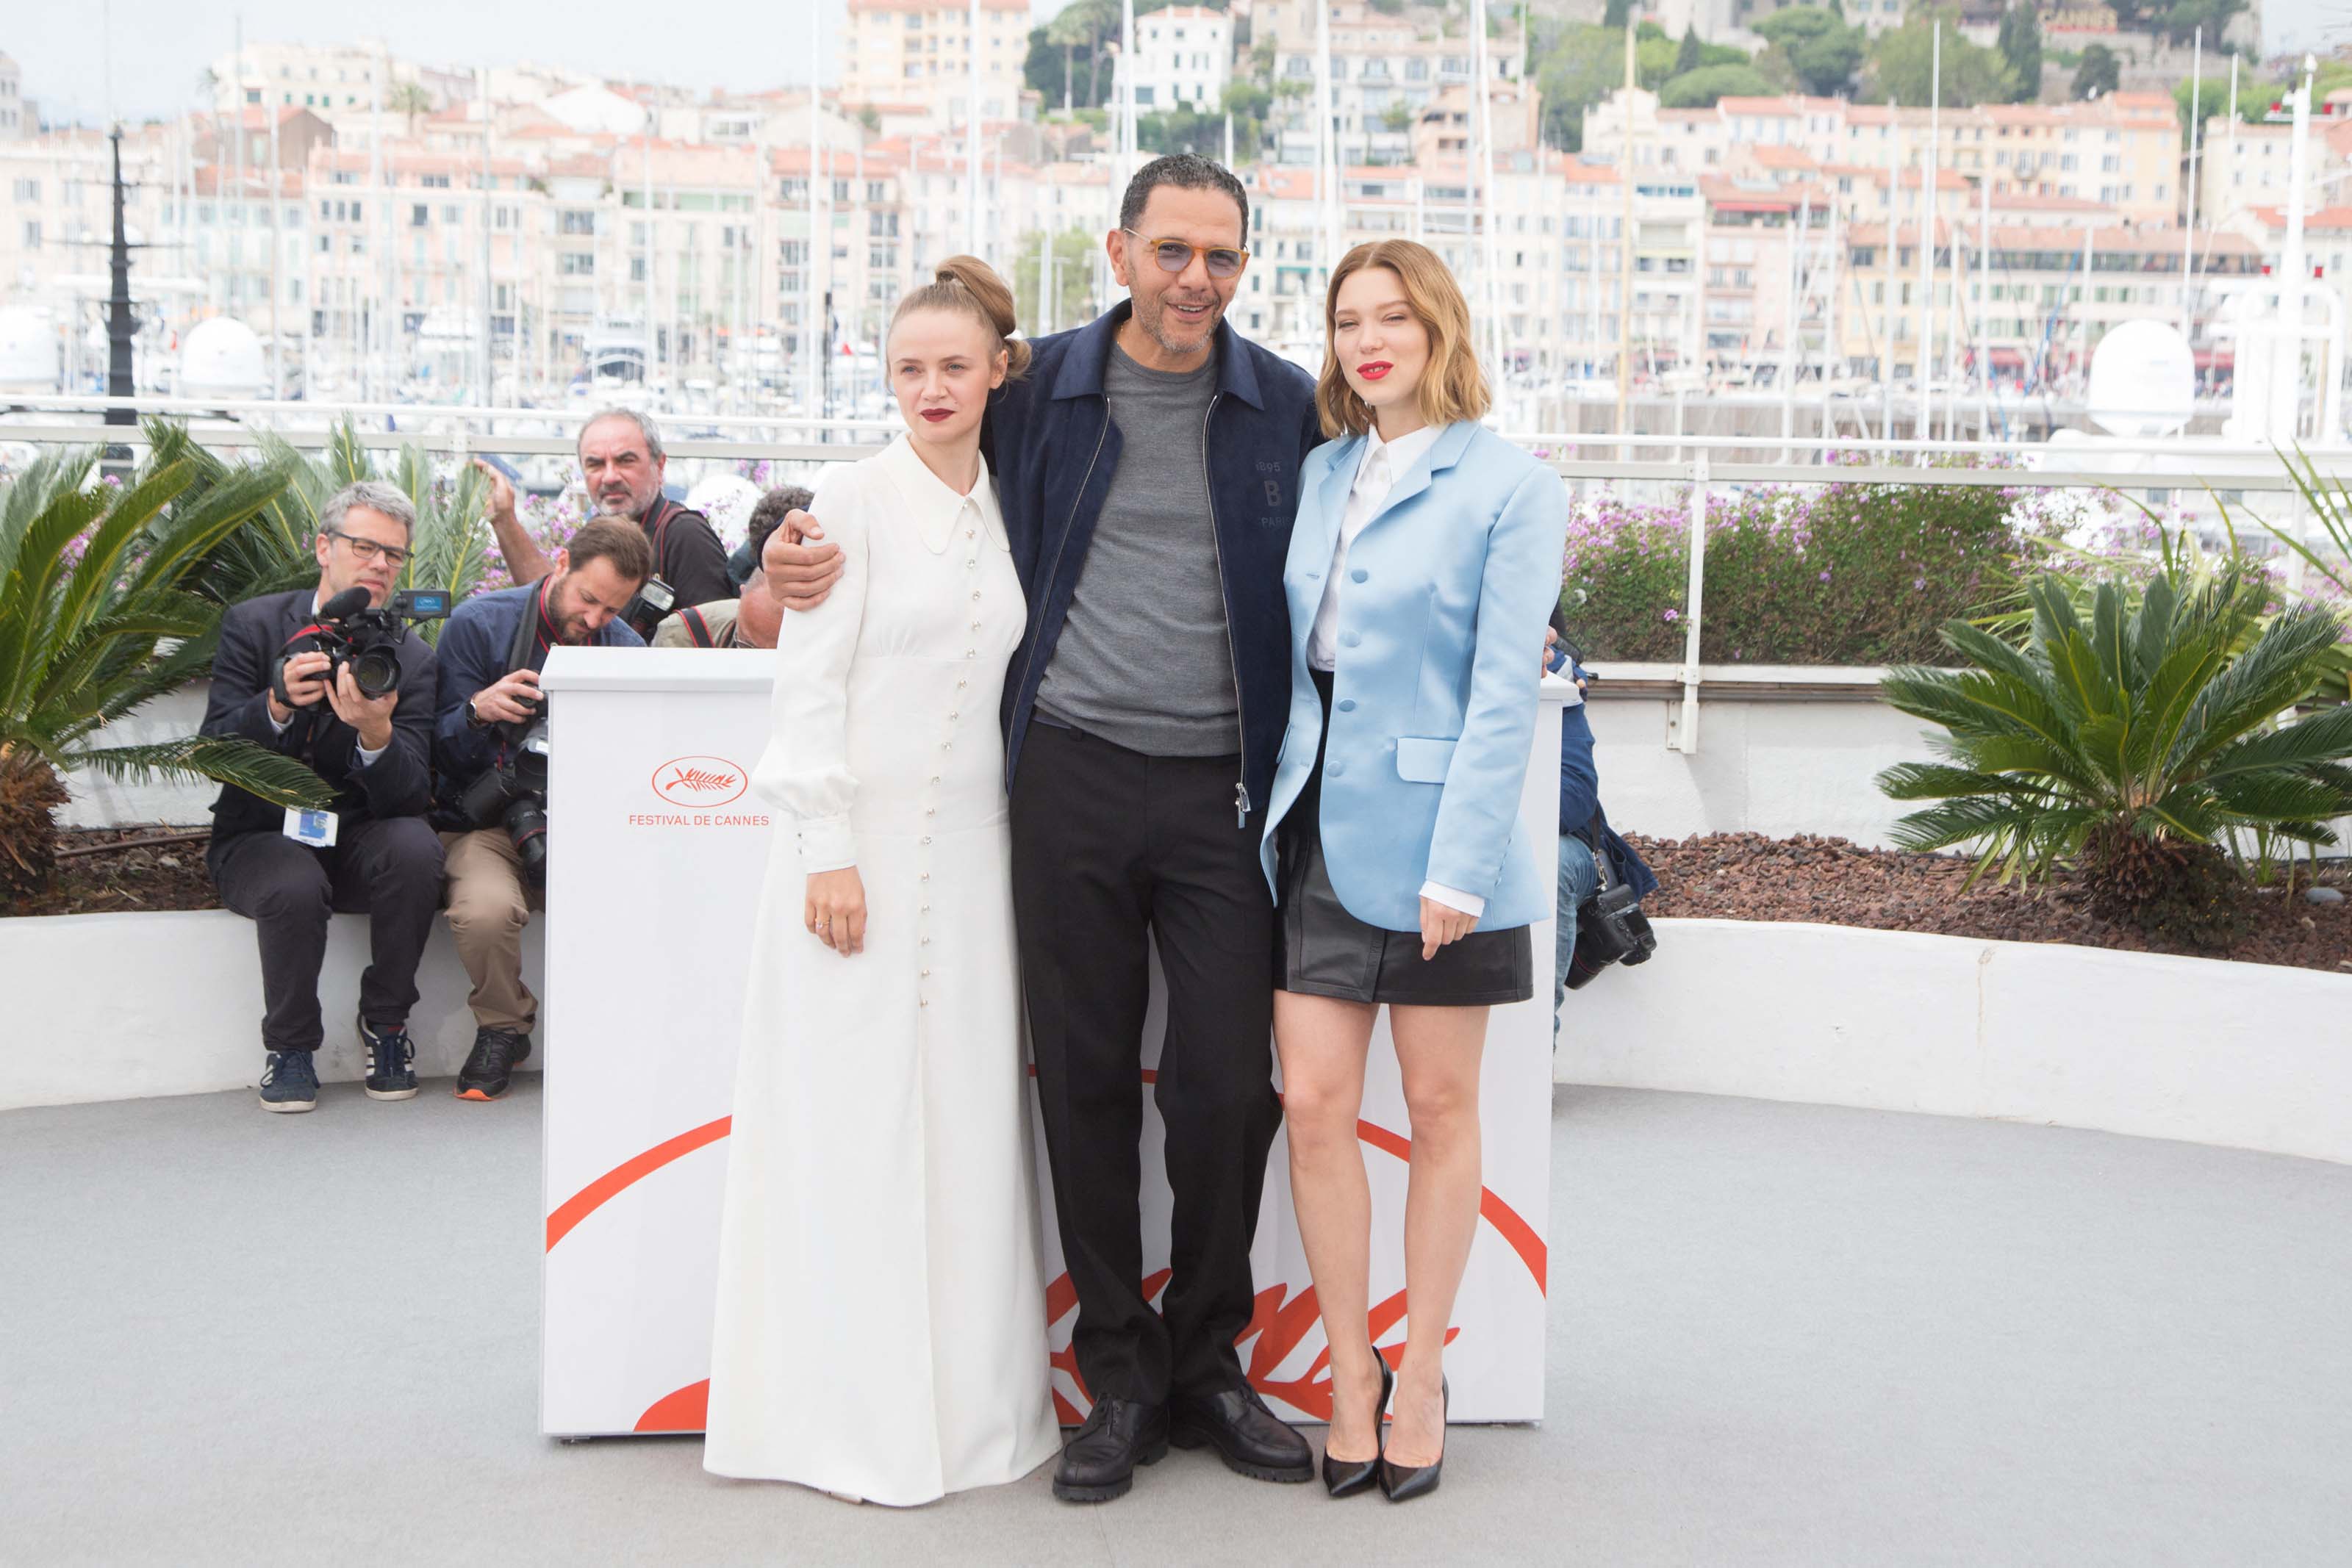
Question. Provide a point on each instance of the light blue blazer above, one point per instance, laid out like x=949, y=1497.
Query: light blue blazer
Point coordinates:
x=1433, y=699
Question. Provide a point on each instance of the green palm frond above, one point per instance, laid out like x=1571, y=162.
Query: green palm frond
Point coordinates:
x=276, y=778
x=2154, y=714
x=99, y=615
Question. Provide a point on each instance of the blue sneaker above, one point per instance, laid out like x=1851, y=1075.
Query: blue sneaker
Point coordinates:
x=392, y=1060
x=289, y=1081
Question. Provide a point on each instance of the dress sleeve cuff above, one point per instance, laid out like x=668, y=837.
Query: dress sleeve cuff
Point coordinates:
x=1453, y=898
x=826, y=843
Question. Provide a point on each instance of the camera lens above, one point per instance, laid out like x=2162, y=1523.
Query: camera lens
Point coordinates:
x=377, y=672
x=527, y=828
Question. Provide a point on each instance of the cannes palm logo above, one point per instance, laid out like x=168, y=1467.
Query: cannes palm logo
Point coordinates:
x=699, y=781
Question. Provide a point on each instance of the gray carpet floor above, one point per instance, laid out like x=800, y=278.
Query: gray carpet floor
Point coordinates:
x=1780, y=1335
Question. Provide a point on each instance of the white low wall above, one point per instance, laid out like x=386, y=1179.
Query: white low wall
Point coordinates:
x=97, y=801
x=119, y=1007
x=1766, y=766
x=2243, y=1055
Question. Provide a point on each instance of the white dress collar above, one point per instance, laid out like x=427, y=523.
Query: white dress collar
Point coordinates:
x=931, y=504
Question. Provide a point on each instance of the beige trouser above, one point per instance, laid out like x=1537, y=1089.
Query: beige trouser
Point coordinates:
x=489, y=903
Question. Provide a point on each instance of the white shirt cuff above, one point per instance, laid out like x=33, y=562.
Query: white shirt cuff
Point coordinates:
x=276, y=727
x=1453, y=898
x=826, y=843
x=368, y=754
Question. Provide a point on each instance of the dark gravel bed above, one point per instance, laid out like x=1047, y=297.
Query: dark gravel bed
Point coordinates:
x=1726, y=877
x=1748, y=876
x=140, y=874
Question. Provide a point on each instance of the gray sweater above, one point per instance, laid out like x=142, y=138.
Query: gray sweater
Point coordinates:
x=1143, y=660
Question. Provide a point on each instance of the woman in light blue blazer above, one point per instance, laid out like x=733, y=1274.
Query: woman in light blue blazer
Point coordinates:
x=1424, y=562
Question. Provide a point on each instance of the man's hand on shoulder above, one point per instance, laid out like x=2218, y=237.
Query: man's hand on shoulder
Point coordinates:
x=800, y=566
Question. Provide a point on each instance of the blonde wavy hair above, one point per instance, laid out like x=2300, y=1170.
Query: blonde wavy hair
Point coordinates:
x=1453, y=387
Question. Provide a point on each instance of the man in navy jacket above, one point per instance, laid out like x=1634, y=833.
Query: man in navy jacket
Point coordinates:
x=1147, y=470
x=490, y=658
x=373, y=753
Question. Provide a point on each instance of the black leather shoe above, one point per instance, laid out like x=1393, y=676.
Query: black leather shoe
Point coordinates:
x=1098, y=1462
x=1402, y=1483
x=1346, y=1477
x=1245, y=1435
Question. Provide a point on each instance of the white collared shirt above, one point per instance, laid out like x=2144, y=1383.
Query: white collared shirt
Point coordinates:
x=1377, y=472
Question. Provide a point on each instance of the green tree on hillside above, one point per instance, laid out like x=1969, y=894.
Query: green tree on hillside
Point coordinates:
x=2099, y=74
x=1812, y=48
x=2019, y=43
x=1902, y=65
x=1701, y=87
x=1686, y=58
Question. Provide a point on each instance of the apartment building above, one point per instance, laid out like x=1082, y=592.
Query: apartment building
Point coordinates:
x=2120, y=152
x=1183, y=58
x=2248, y=166
x=918, y=54
x=2050, y=294
x=1559, y=276
x=1385, y=70
x=19, y=116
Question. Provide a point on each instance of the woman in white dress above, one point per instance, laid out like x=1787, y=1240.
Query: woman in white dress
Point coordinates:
x=881, y=1322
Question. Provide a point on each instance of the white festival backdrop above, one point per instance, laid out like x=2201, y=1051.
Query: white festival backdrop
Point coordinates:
x=656, y=849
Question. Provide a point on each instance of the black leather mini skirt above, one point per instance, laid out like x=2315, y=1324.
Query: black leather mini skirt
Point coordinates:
x=1327, y=952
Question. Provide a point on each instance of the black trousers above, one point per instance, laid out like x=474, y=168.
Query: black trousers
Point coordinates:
x=389, y=870
x=1112, y=849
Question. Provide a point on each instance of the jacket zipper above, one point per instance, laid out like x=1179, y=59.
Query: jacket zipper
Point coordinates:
x=1063, y=543
x=1209, y=492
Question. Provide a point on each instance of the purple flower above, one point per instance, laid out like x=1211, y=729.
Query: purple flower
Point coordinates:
x=1674, y=615
x=1825, y=577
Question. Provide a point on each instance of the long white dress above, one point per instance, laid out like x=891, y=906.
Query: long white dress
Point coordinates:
x=881, y=1322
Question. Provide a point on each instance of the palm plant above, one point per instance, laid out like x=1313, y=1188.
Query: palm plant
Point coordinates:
x=97, y=618
x=273, y=553
x=2135, y=745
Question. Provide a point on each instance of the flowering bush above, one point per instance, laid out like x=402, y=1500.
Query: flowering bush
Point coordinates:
x=1835, y=574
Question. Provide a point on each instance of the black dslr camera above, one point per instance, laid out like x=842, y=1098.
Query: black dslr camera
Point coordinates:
x=1610, y=930
x=365, y=641
x=647, y=607
x=513, y=795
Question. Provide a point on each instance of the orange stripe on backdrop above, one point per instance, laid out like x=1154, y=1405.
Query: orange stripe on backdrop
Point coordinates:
x=614, y=1182
x=1517, y=1232
x=1506, y=1219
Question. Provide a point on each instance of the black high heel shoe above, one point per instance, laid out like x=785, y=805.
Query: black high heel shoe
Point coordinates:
x=1401, y=1483
x=1346, y=1477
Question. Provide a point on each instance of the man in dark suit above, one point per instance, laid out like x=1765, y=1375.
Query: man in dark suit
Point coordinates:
x=375, y=853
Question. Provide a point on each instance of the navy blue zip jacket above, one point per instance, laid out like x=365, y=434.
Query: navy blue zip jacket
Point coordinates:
x=473, y=655
x=1580, y=815
x=1054, y=449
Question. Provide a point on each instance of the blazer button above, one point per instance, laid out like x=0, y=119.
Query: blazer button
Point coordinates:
x=1359, y=575
x=1334, y=768
x=1347, y=705
x=1348, y=638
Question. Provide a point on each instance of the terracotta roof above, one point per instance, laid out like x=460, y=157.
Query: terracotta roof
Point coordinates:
x=2330, y=218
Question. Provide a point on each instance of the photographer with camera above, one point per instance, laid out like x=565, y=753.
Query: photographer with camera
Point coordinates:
x=331, y=674
x=489, y=748
x=752, y=620
x=621, y=459
x=1598, y=919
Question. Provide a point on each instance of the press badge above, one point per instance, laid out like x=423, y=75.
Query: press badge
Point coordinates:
x=316, y=828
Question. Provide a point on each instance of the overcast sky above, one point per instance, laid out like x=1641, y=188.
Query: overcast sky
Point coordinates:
x=159, y=47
